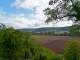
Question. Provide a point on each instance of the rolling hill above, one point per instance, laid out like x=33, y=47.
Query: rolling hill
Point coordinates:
x=45, y=29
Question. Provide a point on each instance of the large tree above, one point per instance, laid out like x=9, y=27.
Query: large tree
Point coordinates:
x=64, y=10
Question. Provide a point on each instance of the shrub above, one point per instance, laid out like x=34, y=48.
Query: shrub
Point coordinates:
x=71, y=50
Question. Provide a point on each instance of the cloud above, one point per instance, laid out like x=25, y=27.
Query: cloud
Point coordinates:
x=39, y=5
x=29, y=4
x=22, y=22
x=37, y=19
x=2, y=14
x=18, y=21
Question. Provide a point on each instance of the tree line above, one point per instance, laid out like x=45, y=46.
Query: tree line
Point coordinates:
x=53, y=33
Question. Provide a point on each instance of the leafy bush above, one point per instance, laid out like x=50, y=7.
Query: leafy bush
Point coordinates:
x=71, y=50
x=16, y=45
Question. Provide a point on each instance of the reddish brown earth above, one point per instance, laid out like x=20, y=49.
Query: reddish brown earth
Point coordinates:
x=55, y=43
x=58, y=43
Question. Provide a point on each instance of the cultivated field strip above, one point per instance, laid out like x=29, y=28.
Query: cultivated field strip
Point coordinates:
x=55, y=43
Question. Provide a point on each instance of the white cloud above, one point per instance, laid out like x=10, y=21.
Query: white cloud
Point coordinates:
x=29, y=4
x=21, y=21
x=39, y=6
x=63, y=23
x=2, y=13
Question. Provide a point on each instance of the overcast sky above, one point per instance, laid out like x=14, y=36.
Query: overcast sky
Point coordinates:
x=26, y=14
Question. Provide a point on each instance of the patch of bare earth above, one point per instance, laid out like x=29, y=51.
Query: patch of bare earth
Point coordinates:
x=57, y=43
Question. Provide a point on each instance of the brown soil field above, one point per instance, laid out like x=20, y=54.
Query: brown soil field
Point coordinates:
x=56, y=43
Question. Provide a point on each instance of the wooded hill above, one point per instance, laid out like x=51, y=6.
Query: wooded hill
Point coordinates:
x=45, y=29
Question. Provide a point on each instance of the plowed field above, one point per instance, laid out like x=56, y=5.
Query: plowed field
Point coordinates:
x=56, y=43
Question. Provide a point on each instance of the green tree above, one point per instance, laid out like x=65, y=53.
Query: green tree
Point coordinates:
x=12, y=44
x=2, y=26
x=65, y=9
x=75, y=30
x=71, y=50
x=16, y=45
x=65, y=34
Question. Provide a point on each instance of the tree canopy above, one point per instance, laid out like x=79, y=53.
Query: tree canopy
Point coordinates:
x=63, y=10
x=71, y=50
x=17, y=45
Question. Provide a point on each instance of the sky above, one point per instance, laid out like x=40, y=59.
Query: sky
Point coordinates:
x=26, y=14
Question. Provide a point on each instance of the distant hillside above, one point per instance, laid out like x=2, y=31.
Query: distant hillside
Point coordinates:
x=46, y=29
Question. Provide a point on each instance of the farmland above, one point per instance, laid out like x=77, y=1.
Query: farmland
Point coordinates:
x=55, y=43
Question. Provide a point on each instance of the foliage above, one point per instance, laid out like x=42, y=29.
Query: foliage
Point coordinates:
x=12, y=45
x=63, y=10
x=2, y=26
x=71, y=50
x=16, y=45
x=75, y=30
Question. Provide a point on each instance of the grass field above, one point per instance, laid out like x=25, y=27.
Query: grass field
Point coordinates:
x=39, y=36
x=55, y=43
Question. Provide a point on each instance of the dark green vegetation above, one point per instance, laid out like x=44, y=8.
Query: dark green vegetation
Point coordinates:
x=72, y=50
x=16, y=45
